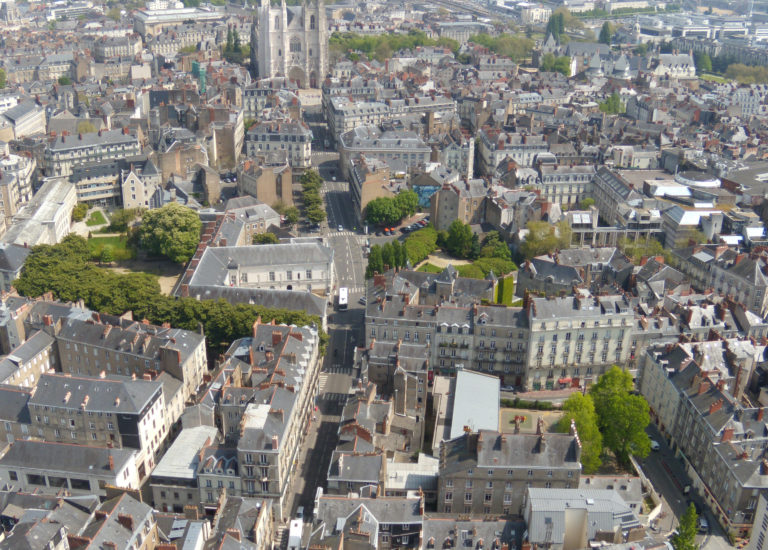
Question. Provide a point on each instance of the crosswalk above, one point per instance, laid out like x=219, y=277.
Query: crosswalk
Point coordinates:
x=322, y=382
x=342, y=234
x=338, y=369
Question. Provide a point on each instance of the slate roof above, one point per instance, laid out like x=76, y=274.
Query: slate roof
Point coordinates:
x=78, y=459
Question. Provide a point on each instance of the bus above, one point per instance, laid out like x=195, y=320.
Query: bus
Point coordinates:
x=343, y=297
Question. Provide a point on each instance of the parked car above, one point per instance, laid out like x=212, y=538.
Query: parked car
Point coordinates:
x=341, y=227
x=703, y=525
x=386, y=231
x=655, y=445
x=363, y=300
x=423, y=223
x=507, y=388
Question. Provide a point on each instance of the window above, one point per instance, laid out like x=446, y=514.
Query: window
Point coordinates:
x=295, y=45
x=448, y=496
x=271, y=275
x=469, y=484
x=13, y=475
x=277, y=22
x=467, y=497
x=311, y=22
x=309, y=274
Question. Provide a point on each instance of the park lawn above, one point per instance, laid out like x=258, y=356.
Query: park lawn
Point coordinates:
x=713, y=78
x=430, y=268
x=120, y=249
x=96, y=218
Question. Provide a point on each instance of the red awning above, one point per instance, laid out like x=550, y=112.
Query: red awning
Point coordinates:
x=566, y=380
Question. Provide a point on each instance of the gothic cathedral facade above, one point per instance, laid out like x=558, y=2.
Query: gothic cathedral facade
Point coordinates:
x=291, y=42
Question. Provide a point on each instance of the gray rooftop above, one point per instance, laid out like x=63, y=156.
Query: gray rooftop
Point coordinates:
x=473, y=388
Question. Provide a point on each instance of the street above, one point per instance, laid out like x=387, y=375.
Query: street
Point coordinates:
x=668, y=476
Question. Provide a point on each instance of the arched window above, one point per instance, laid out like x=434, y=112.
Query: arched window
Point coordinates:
x=312, y=22
x=277, y=22
x=295, y=45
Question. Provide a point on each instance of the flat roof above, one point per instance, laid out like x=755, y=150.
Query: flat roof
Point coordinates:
x=476, y=402
x=180, y=461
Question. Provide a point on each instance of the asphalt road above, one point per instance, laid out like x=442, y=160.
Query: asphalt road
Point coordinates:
x=669, y=479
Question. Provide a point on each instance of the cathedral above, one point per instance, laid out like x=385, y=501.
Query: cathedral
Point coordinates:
x=290, y=42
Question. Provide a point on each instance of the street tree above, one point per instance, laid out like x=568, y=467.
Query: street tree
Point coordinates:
x=172, y=231
x=382, y=211
x=375, y=262
x=291, y=215
x=622, y=416
x=685, y=537
x=581, y=409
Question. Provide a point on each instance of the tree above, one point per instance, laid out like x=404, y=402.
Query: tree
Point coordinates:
x=585, y=204
x=581, y=409
x=3, y=78
x=315, y=214
x=622, y=416
x=407, y=202
x=375, y=262
x=120, y=219
x=545, y=238
x=114, y=13
x=703, y=63
x=291, y=215
x=64, y=80
x=382, y=211
x=494, y=247
x=685, y=537
x=79, y=212
x=107, y=255
x=562, y=65
x=606, y=34
x=641, y=49
x=236, y=41
x=265, y=238
x=458, y=243
x=612, y=105
x=172, y=231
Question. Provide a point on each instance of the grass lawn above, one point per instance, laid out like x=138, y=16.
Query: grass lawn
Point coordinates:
x=96, y=218
x=430, y=268
x=119, y=245
x=713, y=78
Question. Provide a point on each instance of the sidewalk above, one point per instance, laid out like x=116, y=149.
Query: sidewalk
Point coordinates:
x=546, y=395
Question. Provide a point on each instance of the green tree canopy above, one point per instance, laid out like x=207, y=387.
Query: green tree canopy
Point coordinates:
x=407, y=202
x=703, y=63
x=458, y=243
x=606, y=33
x=265, y=238
x=291, y=215
x=375, y=262
x=494, y=247
x=382, y=211
x=613, y=105
x=79, y=212
x=581, y=409
x=545, y=238
x=562, y=65
x=172, y=231
x=685, y=537
x=622, y=416
x=585, y=204
x=516, y=47
x=3, y=78
x=65, y=80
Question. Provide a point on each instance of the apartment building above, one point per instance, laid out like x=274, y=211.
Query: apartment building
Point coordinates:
x=403, y=150
x=101, y=412
x=266, y=421
x=573, y=340
x=293, y=139
x=108, y=47
x=16, y=175
x=610, y=190
x=564, y=184
x=269, y=179
x=694, y=391
x=496, y=146
x=727, y=271
x=369, y=180
x=487, y=472
x=174, y=482
x=27, y=362
x=465, y=201
x=344, y=114
x=79, y=469
x=121, y=347
x=66, y=151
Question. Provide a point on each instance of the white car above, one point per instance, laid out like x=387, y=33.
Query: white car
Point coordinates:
x=341, y=227
x=655, y=445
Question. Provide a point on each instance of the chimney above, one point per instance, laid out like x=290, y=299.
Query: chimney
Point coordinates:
x=277, y=337
x=275, y=442
x=764, y=468
x=727, y=435
x=760, y=414
x=703, y=386
x=111, y=463
x=47, y=320
x=716, y=406
x=126, y=521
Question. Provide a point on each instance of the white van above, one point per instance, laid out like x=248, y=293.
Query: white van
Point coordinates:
x=703, y=525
